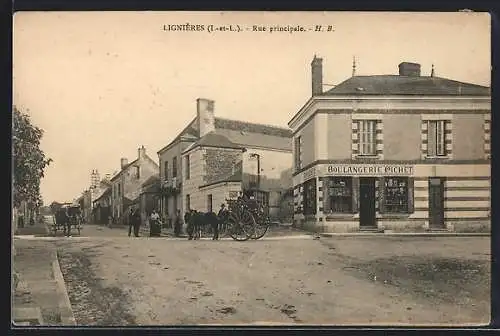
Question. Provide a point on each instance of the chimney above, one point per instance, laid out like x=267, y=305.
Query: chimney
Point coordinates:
x=141, y=152
x=123, y=162
x=205, y=114
x=409, y=69
x=317, y=76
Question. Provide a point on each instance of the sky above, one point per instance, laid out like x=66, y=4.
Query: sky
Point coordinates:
x=101, y=84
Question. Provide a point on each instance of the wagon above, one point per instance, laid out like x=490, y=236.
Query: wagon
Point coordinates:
x=67, y=216
x=246, y=219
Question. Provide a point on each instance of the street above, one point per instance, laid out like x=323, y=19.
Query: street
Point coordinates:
x=116, y=280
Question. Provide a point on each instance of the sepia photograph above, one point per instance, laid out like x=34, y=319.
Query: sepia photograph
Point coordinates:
x=251, y=168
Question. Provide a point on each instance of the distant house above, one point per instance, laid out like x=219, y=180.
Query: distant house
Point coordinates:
x=126, y=185
x=248, y=156
x=149, y=199
x=102, y=207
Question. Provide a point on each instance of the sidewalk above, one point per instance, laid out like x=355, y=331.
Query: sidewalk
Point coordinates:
x=41, y=297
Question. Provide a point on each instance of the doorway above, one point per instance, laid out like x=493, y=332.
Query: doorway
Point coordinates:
x=367, y=202
x=436, y=203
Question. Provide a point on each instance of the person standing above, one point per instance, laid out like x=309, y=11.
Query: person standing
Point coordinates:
x=136, y=221
x=130, y=221
x=178, y=224
x=154, y=224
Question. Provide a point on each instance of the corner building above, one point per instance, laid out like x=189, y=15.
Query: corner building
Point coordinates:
x=399, y=152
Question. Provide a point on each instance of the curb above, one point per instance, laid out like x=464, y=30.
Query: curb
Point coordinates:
x=401, y=234
x=67, y=317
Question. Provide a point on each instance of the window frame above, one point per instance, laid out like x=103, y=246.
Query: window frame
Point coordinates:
x=165, y=169
x=367, y=137
x=390, y=207
x=298, y=152
x=188, y=167
x=174, y=166
x=309, y=201
x=210, y=200
x=436, y=139
x=329, y=184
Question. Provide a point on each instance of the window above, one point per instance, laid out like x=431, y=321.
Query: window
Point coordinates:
x=338, y=195
x=188, y=168
x=174, y=167
x=396, y=194
x=367, y=137
x=165, y=170
x=188, y=203
x=310, y=197
x=137, y=172
x=209, y=203
x=435, y=138
x=119, y=189
x=298, y=152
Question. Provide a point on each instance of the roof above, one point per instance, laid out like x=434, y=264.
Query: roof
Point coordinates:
x=124, y=168
x=247, y=139
x=406, y=85
x=151, y=180
x=242, y=133
x=244, y=126
x=213, y=139
x=234, y=177
x=105, y=192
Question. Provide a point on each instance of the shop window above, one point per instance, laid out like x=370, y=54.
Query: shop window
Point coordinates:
x=338, y=195
x=396, y=195
x=309, y=199
x=367, y=137
x=436, y=138
x=298, y=152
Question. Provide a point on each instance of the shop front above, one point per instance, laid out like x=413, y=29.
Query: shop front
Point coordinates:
x=351, y=197
x=396, y=196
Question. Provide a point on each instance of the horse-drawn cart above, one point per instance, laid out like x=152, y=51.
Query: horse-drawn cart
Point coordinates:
x=246, y=219
x=67, y=218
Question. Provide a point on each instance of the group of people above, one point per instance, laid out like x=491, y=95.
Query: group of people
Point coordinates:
x=155, y=223
x=193, y=219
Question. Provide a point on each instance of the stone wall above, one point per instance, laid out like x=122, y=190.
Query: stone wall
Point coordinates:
x=220, y=163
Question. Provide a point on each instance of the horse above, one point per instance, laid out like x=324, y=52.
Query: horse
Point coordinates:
x=197, y=221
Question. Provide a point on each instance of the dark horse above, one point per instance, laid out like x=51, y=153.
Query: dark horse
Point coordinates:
x=197, y=221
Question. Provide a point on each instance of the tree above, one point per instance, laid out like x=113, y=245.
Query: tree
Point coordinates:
x=29, y=161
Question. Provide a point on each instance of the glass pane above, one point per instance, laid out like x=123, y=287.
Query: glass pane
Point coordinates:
x=431, y=138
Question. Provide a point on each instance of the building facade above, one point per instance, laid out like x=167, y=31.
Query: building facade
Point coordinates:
x=263, y=164
x=126, y=185
x=399, y=152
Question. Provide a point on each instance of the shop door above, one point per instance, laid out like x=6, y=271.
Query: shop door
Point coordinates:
x=436, y=203
x=367, y=202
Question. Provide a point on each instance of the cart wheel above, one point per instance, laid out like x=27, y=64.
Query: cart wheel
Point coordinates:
x=240, y=225
x=260, y=229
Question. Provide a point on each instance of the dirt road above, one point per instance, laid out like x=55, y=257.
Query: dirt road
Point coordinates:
x=350, y=280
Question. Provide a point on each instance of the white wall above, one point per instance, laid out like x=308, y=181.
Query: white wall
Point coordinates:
x=272, y=163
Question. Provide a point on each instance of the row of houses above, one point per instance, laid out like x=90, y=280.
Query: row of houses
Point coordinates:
x=211, y=160
x=403, y=152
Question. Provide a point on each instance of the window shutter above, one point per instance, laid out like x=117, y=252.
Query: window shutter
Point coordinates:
x=411, y=198
x=355, y=194
x=381, y=195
